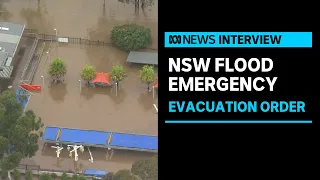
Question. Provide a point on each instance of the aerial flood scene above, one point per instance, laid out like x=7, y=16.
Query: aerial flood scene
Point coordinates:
x=88, y=70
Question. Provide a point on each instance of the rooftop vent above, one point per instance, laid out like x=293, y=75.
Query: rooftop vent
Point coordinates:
x=4, y=28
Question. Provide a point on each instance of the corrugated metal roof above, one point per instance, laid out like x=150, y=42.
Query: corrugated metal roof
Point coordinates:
x=143, y=58
x=6, y=72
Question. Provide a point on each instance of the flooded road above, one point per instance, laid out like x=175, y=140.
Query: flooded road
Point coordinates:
x=89, y=19
x=73, y=104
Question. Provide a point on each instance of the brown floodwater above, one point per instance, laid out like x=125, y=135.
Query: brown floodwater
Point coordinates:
x=68, y=105
x=80, y=18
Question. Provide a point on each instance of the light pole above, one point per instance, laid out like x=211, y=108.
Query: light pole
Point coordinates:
x=47, y=57
x=116, y=89
x=42, y=82
x=153, y=92
x=57, y=43
x=56, y=31
x=80, y=86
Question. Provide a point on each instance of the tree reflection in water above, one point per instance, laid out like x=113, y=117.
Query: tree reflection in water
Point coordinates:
x=58, y=91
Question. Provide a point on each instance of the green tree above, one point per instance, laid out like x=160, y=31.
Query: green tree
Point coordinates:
x=117, y=74
x=29, y=175
x=64, y=176
x=108, y=176
x=148, y=75
x=19, y=132
x=88, y=73
x=45, y=176
x=16, y=174
x=82, y=177
x=146, y=169
x=57, y=70
x=54, y=175
x=124, y=174
x=4, y=174
x=75, y=177
x=130, y=37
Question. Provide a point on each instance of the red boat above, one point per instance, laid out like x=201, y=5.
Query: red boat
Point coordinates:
x=31, y=87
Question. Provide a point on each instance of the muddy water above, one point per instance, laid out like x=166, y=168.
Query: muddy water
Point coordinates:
x=80, y=18
x=68, y=105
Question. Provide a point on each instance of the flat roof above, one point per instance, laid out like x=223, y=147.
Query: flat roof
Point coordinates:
x=3, y=57
x=10, y=35
x=143, y=58
x=11, y=28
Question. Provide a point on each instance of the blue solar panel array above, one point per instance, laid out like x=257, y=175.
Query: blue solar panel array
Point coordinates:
x=95, y=173
x=122, y=140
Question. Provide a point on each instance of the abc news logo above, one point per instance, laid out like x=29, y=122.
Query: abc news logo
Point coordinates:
x=174, y=39
x=192, y=39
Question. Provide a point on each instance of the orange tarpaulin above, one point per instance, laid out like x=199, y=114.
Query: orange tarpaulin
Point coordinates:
x=155, y=85
x=102, y=78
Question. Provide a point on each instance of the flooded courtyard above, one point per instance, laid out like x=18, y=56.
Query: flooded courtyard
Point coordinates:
x=73, y=104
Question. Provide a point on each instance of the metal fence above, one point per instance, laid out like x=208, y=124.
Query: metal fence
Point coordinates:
x=72, y=40
x=29, y=167
x=33, y=48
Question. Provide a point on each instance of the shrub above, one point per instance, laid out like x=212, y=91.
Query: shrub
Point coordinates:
x=131, y=37
x=16, y=174
x=54, y=175
x=82, y=177
x=29, y=175
x=64, y=176
x=45, y=177
x=75, y=177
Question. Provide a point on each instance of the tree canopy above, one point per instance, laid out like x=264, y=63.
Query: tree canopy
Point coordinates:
x=117, y=74
x=88, y=73
x=124, y=174
x=57, y=70
x=148, y=75
x=45, y=177
x=19, y=132
x=146, y=169
x=141, y=170
x=130, y=37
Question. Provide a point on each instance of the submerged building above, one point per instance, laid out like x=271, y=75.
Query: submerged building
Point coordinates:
x=10, y=36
